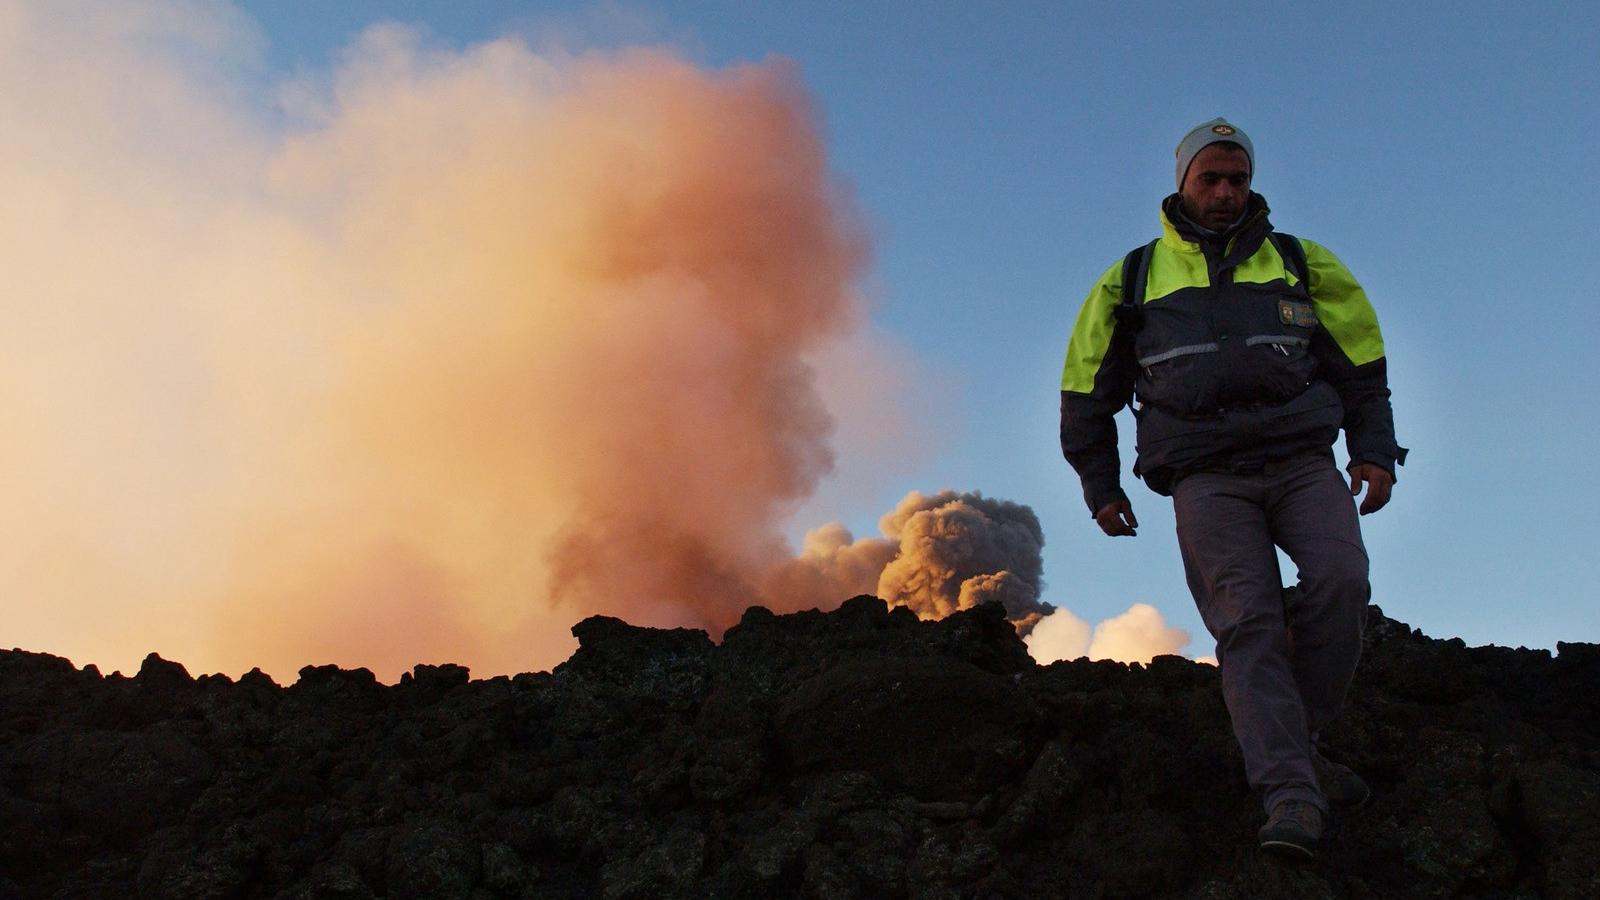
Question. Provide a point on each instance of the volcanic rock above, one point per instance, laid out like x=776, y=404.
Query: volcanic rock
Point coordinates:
x=856, y=753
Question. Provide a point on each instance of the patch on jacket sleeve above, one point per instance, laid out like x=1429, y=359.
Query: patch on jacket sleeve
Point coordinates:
x=1299, y=314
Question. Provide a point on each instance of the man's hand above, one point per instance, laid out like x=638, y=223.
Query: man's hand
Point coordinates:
x=1379, y=483
x=1116, y=518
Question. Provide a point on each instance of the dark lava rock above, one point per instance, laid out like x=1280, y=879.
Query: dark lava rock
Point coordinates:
x=856, y=753
x=938, y=729
x=158, y=674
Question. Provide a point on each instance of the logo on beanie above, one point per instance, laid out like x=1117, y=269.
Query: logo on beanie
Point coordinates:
x=1222, y=129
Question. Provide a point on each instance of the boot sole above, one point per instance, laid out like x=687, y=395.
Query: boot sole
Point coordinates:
x=1289, y=849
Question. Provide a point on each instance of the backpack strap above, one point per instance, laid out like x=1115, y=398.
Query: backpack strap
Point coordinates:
x=1295, y=255
x=1135, y=271
x=1129, y=312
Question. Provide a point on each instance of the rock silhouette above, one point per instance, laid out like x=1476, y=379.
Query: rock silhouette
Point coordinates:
x=856, y=753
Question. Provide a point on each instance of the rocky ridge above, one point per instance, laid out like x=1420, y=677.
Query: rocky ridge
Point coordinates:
x=856, y=753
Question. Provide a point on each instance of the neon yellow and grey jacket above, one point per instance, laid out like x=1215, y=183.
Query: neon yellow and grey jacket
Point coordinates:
x=1235, y=362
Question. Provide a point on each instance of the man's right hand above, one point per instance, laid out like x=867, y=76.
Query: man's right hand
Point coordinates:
x=1116, y=518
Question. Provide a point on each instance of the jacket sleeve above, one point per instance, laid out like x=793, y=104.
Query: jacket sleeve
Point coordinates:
x=1349, y=349
x=1097, y=381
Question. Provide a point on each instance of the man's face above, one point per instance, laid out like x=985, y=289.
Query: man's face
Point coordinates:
x=1217, y=186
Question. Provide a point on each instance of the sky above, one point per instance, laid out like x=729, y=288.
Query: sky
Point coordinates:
x=998, y=157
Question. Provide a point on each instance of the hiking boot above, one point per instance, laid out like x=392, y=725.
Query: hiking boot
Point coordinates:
x=1293, y=828
x=1342, y=787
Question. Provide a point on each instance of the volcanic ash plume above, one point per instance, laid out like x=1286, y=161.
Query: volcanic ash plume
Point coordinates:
x=479, y=344
x=586, y=374
x=939, y=554
x=954, y=550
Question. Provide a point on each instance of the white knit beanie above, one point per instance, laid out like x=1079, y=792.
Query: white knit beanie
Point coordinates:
x=1204, y=135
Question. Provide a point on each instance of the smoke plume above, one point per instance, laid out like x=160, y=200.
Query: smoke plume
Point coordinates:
x=956, y=550
x=474, y=330
x=1058, y=636
x=939, y=554
x=1136, y=636
x=953, y=550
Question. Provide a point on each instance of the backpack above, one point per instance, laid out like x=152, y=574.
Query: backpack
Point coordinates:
x=1136, y=267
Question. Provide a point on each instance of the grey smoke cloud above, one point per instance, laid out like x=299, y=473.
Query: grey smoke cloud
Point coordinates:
x=958, y=549
x=940, y=553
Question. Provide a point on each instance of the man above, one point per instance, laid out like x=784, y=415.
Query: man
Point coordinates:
x=1248, y=352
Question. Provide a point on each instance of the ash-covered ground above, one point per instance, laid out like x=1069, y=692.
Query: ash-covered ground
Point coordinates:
x=857, y=753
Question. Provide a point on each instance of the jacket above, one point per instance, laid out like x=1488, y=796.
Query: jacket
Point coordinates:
x=1236, y=362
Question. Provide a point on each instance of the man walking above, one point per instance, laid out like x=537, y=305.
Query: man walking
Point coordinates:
x=1248, y=351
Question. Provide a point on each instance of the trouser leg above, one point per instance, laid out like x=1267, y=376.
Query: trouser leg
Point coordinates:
x=1313, y=519
x=1225, y=535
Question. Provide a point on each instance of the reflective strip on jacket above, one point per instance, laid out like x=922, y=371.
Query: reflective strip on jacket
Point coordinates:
x=1236, y=363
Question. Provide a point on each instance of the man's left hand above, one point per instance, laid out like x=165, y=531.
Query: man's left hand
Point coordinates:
x=1379, y=484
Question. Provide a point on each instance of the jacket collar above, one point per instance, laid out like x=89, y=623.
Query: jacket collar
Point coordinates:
x=1235, y=244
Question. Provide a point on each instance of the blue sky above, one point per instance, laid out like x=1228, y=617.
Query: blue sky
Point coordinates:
x=1005, y=154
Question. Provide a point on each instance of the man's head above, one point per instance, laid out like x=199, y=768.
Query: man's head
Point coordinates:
x=1215, y=164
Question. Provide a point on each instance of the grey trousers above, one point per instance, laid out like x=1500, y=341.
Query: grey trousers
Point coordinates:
x=1285, y=671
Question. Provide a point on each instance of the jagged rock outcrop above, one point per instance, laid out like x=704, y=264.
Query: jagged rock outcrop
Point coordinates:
x=858, y=753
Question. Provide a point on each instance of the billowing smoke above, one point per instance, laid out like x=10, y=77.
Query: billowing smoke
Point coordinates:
x=1060, y=635
x=939, y=554
x=1138, y=635
x=477, y=344
x=956, y=550
x=951, y=551
x=832, y=566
